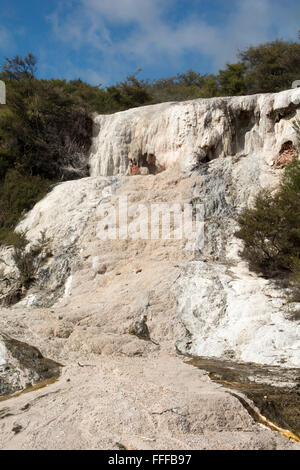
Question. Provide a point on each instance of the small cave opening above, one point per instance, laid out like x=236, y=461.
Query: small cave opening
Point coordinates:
x=284, y=113
x=207, y=153
x=286, y=155
x=145, y=164
x=148, y=161
x=205, y=156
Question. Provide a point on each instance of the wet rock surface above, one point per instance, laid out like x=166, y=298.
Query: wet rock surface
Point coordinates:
x=22, y=366
x=273, y=390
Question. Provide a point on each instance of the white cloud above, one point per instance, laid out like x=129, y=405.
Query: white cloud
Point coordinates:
x=141, y=12
x=6, y=41
x=149, y=38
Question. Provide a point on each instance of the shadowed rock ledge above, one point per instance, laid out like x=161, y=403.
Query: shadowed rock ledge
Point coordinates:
x=22, y=366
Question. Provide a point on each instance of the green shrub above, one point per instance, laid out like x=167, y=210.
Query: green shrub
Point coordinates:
x=271, y=231
x=18, y=194
x=28, y=261
x=45, y=136
x=271, y=67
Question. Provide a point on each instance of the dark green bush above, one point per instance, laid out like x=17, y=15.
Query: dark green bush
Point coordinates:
x=271, y=67
x=271, y=230
x=18, y=194
x=28, y=260
x=45, y=135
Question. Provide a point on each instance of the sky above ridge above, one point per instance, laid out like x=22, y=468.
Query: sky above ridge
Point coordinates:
x=103, y=41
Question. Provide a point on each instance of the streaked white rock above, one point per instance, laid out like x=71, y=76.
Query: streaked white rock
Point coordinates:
x=233, y=314
x=64, y=212
x=226, y=310
x=188, y=131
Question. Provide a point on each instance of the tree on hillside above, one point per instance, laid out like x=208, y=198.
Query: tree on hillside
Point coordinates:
x=271, y=67
x=184, y=86
x=232, y=79
x=130, y=93
x=19, y=68
x=45, y=135
x=271, y=229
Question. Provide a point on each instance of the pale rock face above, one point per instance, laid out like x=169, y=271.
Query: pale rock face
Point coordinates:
x=229, y=312
x=232, y=314
x=7, y=262
x=193, y=131
x=3, y=354
x=64, y=212
x=223, y=309
x=204, y=300
x=62, y=215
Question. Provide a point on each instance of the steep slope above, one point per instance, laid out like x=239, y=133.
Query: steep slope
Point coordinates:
x=117, y=389
x=226, y=310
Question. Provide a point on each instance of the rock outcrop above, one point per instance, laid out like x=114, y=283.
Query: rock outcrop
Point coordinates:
x=62, y=216
x=230, y=145
x=228, y=311
x=22, y=366
x=198, y=295
x=194, y=131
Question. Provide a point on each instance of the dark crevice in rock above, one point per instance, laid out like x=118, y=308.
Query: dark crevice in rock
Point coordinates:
x=288, y=113
x=242, y=123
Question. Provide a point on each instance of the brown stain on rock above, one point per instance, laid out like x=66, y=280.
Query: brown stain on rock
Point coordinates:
x=286, y=155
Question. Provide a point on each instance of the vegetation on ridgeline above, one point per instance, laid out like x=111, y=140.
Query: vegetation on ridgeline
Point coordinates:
x=45, y=132
x=46, y=126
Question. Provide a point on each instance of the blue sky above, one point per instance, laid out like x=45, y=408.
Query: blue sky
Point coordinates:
x=102, y=41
